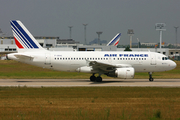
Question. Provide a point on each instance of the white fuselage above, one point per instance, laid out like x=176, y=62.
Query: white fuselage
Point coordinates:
x=71, y=61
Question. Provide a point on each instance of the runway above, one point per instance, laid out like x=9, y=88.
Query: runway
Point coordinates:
x=88, y=83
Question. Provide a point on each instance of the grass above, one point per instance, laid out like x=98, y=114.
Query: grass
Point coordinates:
x=79, y=103
x=12, y=69
x=85, y=103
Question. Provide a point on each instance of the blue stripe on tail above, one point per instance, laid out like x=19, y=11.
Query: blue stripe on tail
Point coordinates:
x=23, y=35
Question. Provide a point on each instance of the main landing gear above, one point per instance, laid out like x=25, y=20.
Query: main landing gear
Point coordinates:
x=97, y=79
x=150, y=77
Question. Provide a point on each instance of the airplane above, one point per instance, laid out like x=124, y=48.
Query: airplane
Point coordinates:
x=118, y=64
x=115, y=40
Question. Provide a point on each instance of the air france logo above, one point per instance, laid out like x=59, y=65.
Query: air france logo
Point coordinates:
x=126, y=55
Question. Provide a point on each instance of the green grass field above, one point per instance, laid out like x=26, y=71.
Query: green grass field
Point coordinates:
x=85, y=103
x=12, y=69
x=89, y=103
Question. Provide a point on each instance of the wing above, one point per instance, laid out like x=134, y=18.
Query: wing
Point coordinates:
x=105, y=67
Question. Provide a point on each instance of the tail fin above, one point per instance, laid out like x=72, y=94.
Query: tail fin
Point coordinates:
x=115, y=40
x=23, y=38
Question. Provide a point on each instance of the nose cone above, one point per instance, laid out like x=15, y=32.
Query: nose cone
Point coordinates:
x=173, y=65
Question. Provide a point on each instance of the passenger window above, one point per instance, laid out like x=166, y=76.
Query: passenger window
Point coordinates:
x=162, y=58
x=55, y=58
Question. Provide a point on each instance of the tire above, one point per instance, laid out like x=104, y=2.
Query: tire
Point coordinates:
x=99, y=79
x=92, y=78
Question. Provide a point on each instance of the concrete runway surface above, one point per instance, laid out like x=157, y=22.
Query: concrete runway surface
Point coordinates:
x=88, y=83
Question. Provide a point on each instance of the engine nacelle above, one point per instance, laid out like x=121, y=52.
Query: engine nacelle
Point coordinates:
x=84, y=69
x=125, y=73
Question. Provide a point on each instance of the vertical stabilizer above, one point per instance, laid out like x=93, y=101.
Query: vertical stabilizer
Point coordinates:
x=23, y=38
x=115, y=40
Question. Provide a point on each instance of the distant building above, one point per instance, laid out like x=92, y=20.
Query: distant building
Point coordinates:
x=95, y=42
x=66, y=41
x=7, y=45
x=149, y=44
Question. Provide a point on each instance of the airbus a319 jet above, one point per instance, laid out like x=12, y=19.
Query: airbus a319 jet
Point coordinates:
x=118, y=64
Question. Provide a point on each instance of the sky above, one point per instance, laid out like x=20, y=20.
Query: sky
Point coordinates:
x=52, y=18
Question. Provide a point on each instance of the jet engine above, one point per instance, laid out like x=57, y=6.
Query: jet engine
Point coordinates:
x=125, y=73
x=84, y=69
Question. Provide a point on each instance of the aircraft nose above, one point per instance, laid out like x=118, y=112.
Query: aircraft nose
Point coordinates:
x=173, y=65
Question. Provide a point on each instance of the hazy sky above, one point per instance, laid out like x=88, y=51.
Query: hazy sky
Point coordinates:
x=52, y=18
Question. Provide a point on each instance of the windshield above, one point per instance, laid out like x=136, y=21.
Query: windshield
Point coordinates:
x=165, y=58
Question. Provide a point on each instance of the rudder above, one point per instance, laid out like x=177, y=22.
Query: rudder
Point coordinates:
x=23, y=38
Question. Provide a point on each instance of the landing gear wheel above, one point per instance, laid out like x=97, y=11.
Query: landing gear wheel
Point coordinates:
x=99, y=79
x=93, y=78
x=150, y=77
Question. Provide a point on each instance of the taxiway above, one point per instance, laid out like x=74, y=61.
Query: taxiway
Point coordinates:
x=88, y=83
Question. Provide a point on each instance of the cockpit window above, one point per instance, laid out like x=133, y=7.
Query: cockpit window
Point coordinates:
x=164, y=58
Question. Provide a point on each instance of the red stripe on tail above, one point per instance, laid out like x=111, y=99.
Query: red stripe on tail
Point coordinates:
x=116, y=43
x=17, y=43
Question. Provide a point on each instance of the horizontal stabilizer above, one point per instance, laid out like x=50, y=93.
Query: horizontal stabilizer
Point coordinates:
x=21, y=56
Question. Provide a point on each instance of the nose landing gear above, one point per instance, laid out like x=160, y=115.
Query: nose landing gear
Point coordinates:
x=150, y=77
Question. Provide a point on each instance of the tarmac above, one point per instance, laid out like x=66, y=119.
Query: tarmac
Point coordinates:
x=88, y=83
